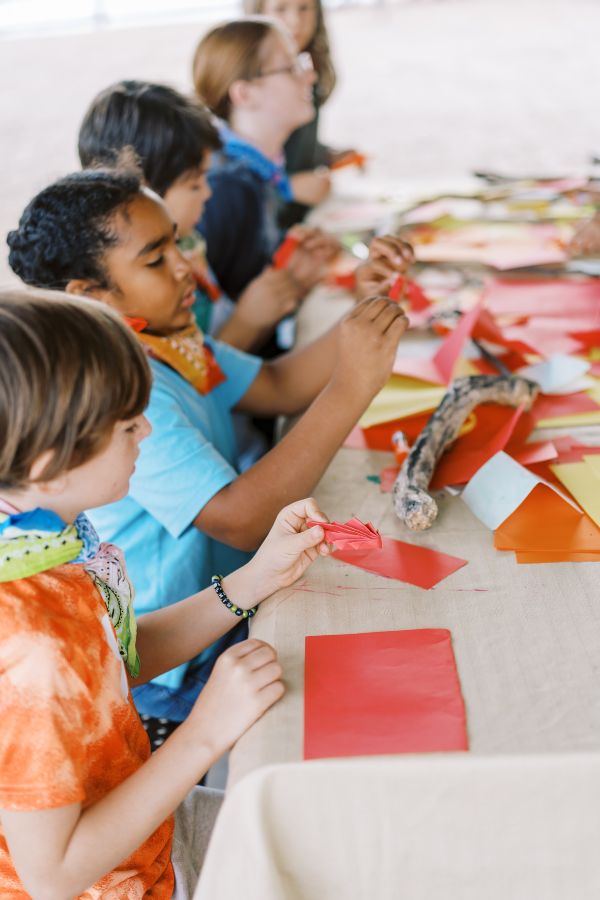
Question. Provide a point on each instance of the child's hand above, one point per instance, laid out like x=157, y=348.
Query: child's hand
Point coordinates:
x=309, y=261
x=368, y=339
x=244, y=683
x=586, y=240
x=311, y=187
x=388, y=257
x=268, y=299
x=289, y=548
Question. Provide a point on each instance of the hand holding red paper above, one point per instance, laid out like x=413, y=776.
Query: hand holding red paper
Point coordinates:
x=290, y=547
x=352, y=535
x=389, y=257
x=305, y=253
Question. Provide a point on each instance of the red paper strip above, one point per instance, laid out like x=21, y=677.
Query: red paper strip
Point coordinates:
x=349, y=159
x=350, y=535
x=420, y=566
x=416, y=298
x=284, y=252
x=469, y=453
x=384, y=692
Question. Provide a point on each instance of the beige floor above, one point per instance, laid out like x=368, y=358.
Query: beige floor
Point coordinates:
x=427, y=88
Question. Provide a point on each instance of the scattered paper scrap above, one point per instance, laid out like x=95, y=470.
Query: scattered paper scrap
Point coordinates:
x=581, y=481
x=499, y=488
x=420, y=566
x=383, y=692
x=285, y=251
x=557, y=373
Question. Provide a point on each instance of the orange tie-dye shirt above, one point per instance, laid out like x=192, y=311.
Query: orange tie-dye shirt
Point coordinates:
x=69, y=732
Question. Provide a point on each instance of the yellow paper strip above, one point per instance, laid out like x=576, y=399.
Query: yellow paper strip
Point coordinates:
x=580, y=479
x=593, y=462
x=401, y=397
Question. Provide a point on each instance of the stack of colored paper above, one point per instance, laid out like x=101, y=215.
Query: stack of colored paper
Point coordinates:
x=529, y=516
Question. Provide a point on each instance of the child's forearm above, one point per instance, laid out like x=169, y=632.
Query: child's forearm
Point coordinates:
x=290, y=383
x=171, y=636
x=241, y=334
x=59, y=854
x=242, y=513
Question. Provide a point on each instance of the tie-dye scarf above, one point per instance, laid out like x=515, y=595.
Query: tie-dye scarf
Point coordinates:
x=35, y=541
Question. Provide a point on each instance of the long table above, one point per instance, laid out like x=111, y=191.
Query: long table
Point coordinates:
x=527, y=645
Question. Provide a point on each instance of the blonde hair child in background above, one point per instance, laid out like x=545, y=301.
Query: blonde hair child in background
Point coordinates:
x=307, y=160
x=84, y=808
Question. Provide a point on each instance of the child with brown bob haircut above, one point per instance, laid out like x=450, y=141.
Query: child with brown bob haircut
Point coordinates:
x=85, y=810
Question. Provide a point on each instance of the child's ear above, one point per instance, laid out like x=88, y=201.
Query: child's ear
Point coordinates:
x=241, y=93
x=84, y=288
x=52, y=486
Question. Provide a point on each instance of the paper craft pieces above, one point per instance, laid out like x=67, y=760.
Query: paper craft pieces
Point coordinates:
x=417, y=300
x=350, y=535
x=559, y=374
x=383, y=692
x=498, y=489
x=415, y=565
x=545, y=297
x=285, y=251
x=494, y=429
x=545, y=523
x=440, y=368
x=502, y=245
x=349, y=159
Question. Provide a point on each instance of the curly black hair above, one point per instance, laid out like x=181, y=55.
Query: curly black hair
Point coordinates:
x=66, y=229
x=168, y=132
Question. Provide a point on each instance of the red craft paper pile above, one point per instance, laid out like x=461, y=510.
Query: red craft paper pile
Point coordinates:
x=350, y=535
x=384, y=692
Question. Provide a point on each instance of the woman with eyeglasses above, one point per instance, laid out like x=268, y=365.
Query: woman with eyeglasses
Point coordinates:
x=249, y=74
x=306, y=160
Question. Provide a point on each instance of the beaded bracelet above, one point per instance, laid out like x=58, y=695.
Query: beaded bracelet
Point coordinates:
x=236, y=610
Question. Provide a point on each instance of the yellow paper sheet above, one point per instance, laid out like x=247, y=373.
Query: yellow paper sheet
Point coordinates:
x=402, y=397
x=593, y=462
x=580, y=479
x=585, y=418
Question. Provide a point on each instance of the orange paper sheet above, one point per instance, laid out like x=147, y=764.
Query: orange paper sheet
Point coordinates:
x=546, y=523
x=383, y=692
x=415, y=565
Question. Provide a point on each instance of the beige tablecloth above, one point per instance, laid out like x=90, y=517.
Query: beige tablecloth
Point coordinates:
x=517, y=817
x=412, y=828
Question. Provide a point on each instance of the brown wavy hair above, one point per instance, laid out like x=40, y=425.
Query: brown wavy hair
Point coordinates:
x=318, y=48
x=230, y=52
x=70, y=371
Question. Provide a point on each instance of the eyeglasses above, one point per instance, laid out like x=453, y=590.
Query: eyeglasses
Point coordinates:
x=301, y=65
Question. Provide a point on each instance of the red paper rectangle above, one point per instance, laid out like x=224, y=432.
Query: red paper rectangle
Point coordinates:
x=285, y=251
x=420, y=566
x=384, y=692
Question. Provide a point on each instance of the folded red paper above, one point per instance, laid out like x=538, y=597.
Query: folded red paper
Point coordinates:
x=351, y=535
x=420, y=566
x=385, y=692
x=284, y=252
